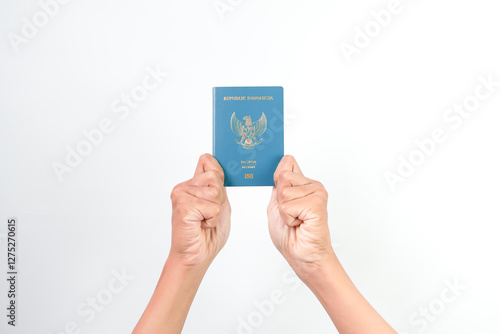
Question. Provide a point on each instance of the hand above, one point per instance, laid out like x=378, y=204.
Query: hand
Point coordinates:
x=298, y=224
x=200, y=215
x=200, y=228
x=298, y=221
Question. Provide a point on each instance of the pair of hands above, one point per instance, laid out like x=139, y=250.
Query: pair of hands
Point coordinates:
x=297, y=217
x=298, y=226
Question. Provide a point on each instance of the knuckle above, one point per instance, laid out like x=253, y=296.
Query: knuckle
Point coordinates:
x=288, y=158
x=285, y=176
x=284, y=193
x=276, y=176
x=217, y=208
x=212, y=175
x=214, y=192
x=176, y=193
x=325, y=194
x=204, y=157
x=321, y=190
x=217, y=191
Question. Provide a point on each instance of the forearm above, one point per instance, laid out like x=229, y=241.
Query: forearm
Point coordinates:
x=168, y=308
x=348, y=309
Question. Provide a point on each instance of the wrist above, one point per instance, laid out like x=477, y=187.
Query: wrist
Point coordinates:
x=330, y=280
x=178, y=264
x=314, y=272
x=192, y=255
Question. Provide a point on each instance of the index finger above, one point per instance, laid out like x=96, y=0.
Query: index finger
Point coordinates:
x=287, y=163
x=207, y=162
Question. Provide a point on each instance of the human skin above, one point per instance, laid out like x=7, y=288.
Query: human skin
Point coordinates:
x=200, y=228
x=298, y=224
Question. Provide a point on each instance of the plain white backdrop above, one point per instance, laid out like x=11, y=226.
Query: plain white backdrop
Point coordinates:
x=350, y=117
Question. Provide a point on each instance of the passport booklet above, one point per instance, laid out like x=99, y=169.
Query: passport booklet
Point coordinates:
x=248, y=133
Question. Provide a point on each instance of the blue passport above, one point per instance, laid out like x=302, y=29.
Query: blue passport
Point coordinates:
x=248, y=133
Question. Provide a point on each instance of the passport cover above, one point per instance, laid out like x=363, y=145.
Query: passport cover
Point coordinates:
x=248, y=133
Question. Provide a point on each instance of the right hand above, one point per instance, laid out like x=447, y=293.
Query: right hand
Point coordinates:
x=298, y=220
x=200, y=215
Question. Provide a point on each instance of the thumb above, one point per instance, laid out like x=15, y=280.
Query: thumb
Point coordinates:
x=287, y=163
x=207, y=162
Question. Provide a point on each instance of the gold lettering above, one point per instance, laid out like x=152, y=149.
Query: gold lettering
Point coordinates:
x=260, y=98
x=234, y=98
x=244, y=98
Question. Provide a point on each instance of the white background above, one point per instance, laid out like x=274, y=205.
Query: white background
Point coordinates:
x=347, y=124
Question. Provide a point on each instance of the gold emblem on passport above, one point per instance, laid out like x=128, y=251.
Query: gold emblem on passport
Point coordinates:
x=248, y=131
x=248, y=176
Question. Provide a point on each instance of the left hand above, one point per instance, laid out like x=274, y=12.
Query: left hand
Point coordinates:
x=298, y=219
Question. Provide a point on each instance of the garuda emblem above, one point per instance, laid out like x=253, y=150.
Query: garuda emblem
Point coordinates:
x=248, y=131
